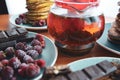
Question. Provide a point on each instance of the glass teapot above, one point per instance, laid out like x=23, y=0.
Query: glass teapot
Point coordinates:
x=75, y=25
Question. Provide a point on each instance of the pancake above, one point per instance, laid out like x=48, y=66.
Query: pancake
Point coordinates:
x=36, y=18
x=36, y=14
x=114, y=34
x=41, y=10
x=34, y=1
x=39, y=5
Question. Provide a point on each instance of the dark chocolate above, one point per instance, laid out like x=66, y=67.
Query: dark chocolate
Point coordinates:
x=10, y=36
x=26, y=38
x=94, y=72
x=3, y=36
x=78, y=75
x=107, y=67
x=61, y=77
x=12, y=33
x=4, y=45
x=22, y=31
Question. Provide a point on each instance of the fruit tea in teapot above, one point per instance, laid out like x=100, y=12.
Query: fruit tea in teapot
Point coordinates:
x=75, y=25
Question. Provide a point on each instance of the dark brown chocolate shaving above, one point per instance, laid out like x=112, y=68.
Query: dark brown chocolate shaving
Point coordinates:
x=55, y=71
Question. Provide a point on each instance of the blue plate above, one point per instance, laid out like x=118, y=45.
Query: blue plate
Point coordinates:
x=105, y=43
x=49, y=54
x=83, y=63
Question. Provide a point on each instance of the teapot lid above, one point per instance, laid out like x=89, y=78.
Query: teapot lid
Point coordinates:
x=80, y=5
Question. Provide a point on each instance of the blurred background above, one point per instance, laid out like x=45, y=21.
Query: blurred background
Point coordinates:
x=12, y=7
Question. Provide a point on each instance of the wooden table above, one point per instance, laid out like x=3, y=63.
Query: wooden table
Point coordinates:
x=97, y=51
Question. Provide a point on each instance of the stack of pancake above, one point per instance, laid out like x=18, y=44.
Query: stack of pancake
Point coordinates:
x=114, y=31
x=37, y=10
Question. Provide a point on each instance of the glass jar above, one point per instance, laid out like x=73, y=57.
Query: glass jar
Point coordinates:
x=75, y=25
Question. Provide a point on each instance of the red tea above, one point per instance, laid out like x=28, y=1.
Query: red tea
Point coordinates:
x=74, y=30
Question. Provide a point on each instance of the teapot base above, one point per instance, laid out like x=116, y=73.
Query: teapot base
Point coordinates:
x=75, y=50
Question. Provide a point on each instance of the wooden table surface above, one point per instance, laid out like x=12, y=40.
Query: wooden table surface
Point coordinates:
x=97, y=51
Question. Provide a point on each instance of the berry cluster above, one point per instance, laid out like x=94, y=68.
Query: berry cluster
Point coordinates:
x=22, y=20
x=22, y=59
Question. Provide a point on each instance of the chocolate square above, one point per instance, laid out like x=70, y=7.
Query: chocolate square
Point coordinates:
x=94, y=72
x=78, y=75
x=22, y=31
x=12, y=34
x=107, y=66
x=3, y=37
x=4, y=45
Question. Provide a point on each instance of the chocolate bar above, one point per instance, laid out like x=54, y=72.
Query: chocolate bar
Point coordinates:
x=4, y=45
x=12, y=34
x=106, y=67
x=94, y=72
x=78, y=75
x=9, y=37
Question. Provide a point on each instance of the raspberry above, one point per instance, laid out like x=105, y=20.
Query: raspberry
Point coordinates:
x=38, y=48
x=35, y=42
x=13, y=78
x=1, y=67
x=20, y=45
x=22, y=16
x=42, y=22
x=22, y=69
x=14, y=62
x=23, y=65
x=10, y=52
x=27, y=59
x=32, y=70
x=7, y=73
x=35, y=23
x=28, y=47
x=18, y=21
x=41, y=39
x=5, y=62
x=20, y=54
x=40, y=62
x=33, y=53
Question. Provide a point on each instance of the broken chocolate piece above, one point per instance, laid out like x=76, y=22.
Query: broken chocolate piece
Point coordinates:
x=56, y=70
